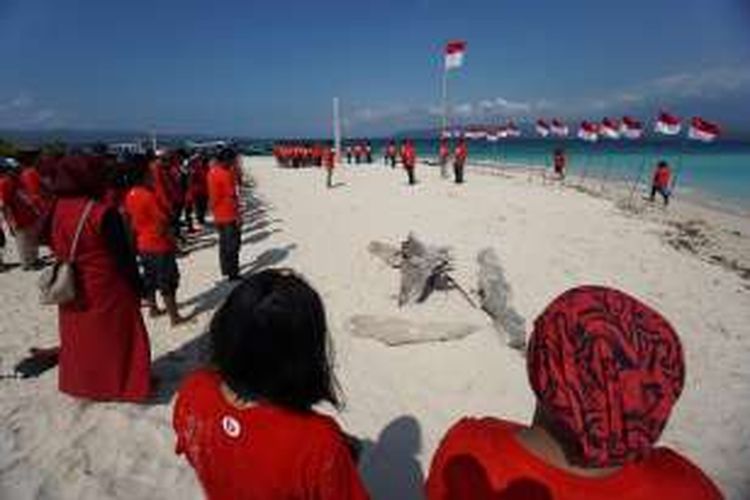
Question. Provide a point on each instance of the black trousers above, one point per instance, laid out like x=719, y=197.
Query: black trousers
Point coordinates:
x=410, y=173
x=458, y=172
x=664, y=192
x=229, y=249
x=201, y=206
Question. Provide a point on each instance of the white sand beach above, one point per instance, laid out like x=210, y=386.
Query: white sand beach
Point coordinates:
x=400, y=398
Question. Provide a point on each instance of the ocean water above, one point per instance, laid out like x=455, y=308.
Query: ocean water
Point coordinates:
x=717, y=171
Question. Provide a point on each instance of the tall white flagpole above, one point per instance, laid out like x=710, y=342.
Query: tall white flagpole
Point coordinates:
x=443, y=166
x=337, y=129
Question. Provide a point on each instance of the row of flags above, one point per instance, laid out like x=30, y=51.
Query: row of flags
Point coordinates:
x=628, y=127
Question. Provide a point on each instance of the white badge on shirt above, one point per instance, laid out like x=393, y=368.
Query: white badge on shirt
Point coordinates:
x=231, y=426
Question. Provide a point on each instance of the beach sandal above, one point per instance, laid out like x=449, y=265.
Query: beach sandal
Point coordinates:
x=38, y=362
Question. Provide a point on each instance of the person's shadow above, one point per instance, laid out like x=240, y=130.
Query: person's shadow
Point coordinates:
x=389, y=466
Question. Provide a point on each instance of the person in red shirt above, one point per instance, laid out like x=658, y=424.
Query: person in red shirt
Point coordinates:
x=224, y=202
x=329, y=161
x=21, y=215
x=247, y=424
x=155, y=244
x=409, y=159
x=198, y=188
x=606, y=370
x=459, y=162
x=390, y=154
x=661, y=182
x=559, y=163
x=31, y=182
x=368, y=152
x=443, y=154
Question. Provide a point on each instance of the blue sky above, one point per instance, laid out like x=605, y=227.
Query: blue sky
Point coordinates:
x=271, y=68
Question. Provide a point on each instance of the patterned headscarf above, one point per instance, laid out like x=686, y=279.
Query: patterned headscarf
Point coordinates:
x=606, y=369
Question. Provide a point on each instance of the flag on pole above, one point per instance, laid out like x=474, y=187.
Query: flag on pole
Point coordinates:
x=702, y=130
x=630, y=128
x=610, y=129
x=454, y=54
x=493, y=135
x=667, y=124
x=559, y=129
x=588, y=131
x=542, y=128
x=475, y=133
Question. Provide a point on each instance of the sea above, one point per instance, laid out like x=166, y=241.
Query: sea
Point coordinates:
x=717, y=172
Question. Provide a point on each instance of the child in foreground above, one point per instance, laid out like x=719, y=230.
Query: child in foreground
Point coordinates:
x=606, y=370
x=246, y=425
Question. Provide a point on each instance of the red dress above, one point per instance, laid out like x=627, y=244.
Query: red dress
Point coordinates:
x=482, y=459
x=104, y=352
x=260, y=452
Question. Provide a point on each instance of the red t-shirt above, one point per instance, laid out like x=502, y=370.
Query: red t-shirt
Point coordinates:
x=481, y=458
x=461, y=152
x=222, y=194
x=409, y=156
x=17, y=206
x=31, y=182
x=261, y=452
x=661, y=177
x=149, y=222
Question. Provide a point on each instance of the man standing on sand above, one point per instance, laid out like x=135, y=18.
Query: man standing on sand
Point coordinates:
x=329, y=162
x=459, y=161
x=349, y=155
x=660, y=182
x=390, y=153
x=368, y=152
x=443, y=154
x=409, y=159
x=559, y=163
x=156, y=246
x=224, y=202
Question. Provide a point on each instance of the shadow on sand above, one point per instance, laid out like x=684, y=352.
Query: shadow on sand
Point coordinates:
x=389, y=467
x=171, y=367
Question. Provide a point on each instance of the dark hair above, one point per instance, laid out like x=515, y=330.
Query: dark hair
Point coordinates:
x=662, y=163
x=269, y=341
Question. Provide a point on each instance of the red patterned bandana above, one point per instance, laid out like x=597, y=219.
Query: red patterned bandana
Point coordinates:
x=607, y=369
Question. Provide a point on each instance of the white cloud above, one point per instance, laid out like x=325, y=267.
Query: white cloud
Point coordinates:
x=22, y=111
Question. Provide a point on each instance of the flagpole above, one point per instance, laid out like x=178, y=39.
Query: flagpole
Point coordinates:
x=336, y=130
x=444, y=166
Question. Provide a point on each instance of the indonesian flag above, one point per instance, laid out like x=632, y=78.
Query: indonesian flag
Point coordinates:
x=542, y=128
x=630, y=128
x=559, y=129
x=702, y=130
x=454, y=54
x=511, y=130
x=475, y=133
x=493, y=135
x=667, y=124
x=610, y=129
x=588, y=131
x=446, y=134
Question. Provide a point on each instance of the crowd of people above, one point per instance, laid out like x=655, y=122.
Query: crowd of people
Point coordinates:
x=606, y=368
x=120, y=222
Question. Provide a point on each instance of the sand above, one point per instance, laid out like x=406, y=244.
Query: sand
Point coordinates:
x=400, y=396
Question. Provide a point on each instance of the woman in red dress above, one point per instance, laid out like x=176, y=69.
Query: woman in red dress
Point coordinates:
x=606, y=370
x=104, y=353
x=246, y=425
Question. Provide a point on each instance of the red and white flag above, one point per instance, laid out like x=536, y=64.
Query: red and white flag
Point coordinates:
x=542, y=128
x=475, y=133
x=511, y=130
x=630, y=128
x=610, y=129
x=454, y=54
x=588, y=131
x=559, y=129
x=702, y=130
x=667, y=124
x=493, y=135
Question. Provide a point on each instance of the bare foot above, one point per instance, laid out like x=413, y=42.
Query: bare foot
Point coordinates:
x=182, y=320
